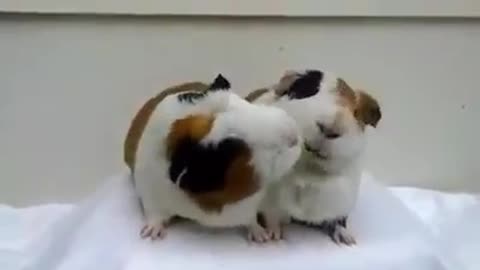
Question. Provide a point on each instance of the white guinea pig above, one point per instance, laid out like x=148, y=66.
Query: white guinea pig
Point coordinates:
x=322, y=189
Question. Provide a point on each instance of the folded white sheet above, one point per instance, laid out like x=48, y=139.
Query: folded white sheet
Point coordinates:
x=102, y=233
x=19, y=228
x=454, y=221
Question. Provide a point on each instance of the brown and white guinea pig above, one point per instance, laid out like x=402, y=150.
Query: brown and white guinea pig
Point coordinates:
x=207, y=156
x=323, y=186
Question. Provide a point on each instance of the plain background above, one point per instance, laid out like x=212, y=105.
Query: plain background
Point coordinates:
x=69, y=86
x=303, y=8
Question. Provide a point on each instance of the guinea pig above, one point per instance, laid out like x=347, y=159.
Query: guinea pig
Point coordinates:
x=322, y=188
x=208, y=155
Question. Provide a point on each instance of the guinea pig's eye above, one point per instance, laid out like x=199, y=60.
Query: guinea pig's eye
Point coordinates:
x=329, y=134
x=332, y=135
x=321, y=127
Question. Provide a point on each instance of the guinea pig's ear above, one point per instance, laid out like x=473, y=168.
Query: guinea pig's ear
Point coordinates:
x=283, y=85
x=345, y=91
x=255, y=94
x=220, y=83
x=300, y=85
x=367, y=110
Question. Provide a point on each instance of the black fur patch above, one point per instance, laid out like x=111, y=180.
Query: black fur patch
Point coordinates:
x=306, y=86
x=190, y=97
x=342, y=221
x=201, y=168
x=220, y=83
x=328, y=226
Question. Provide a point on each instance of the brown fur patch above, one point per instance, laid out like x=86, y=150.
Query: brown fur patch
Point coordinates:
x=194, y=126
x=363, y=106
x=240, y=183
x=255, y=94
x=367, y=109
x=140, y=120
x=346, y=93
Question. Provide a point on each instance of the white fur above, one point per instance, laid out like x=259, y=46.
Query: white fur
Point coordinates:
x=314, y=196
x=317, y=189
x=267, y=130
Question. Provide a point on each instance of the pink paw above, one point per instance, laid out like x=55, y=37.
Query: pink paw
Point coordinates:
x=275, y=232
x=154, y=231
x=342, y=236
x=258, y=234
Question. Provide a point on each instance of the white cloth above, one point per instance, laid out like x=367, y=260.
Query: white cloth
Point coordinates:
x=103, y=233
x=454, y=221
x=19, y=228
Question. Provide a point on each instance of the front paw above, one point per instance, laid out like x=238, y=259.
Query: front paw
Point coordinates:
x=275, y=232
x=342, y=236
x=336, y=229
x=154, y=230
x=258, y=234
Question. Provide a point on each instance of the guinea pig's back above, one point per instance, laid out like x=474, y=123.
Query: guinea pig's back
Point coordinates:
x=148, y=112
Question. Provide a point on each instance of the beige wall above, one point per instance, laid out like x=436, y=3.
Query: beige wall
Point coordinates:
x=303, y=8
x=70, y=85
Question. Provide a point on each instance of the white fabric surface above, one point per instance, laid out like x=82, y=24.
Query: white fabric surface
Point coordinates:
x=102, y=233
x=19, y=228
x=453, y=220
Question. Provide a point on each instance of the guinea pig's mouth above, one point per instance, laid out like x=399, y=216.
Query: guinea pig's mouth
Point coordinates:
x=314, y=151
